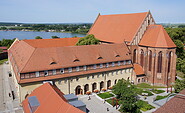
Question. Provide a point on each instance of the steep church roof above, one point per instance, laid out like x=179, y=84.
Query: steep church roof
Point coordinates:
x=156, y=36
x=117, y=28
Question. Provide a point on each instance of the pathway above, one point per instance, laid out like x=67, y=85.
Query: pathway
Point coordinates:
x=96, y=104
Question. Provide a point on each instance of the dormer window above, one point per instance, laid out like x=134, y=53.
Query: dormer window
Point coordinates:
x=100, y=57
x=53, y=63
x=101, y=65
x=45, y=73
x=62, y=70
x=94, y=66
x=77, y=68
x=129, y=62
x=107, y=64
x=117, y=55
x=113, y=64
x=37, y=74
x=70, y=69
x=76, y=60
x=85, y=68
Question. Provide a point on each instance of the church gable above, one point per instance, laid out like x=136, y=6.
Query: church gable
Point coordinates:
x=141, y=30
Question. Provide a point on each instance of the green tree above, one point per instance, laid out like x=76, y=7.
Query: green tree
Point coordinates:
x=54, y=37
x=180, y=49
x=179, y=85
x=7, y=42
x=88, y=40
x=126, y=93
x=38, y=37
x=1, y=50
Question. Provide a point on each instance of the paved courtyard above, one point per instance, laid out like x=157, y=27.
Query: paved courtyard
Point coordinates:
x=7, y=103
x=96, y=104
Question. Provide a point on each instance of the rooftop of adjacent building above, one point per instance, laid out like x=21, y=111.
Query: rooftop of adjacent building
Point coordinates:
x=174, y=105
x=48, y=99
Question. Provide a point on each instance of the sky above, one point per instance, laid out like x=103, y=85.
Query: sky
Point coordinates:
x=86, y=11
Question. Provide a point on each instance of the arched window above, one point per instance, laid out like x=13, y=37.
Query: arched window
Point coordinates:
x=78, y=90
x=108, y=83
x=159, y=65
x=169, y=61
x=86, y=88
x=101, y=85
x=94, y=86
x=134, y=56
x=142, y=58
x=150, y=61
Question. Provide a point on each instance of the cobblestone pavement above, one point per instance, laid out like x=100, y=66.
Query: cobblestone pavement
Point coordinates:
x=96, y=104
x=7, y=103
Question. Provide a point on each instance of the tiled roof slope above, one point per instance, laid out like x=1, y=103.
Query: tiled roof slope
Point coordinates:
x=50, y=101
x=138, y=69
x=59, y=42
x=156, y=36
x=66, y=56
x=117, y=28
x=174, y=105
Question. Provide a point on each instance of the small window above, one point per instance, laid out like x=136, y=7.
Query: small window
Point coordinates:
x=65, y=81
x=107, y=64
x=54, y=72
x=62, y=70
x=76, y=60
x=100, y=57
x=71, y=79
x=37, y=74
x=119, y=63
x=45, y=73
x=77, y=78
x=113, y=64
x=124, y=62
x=88, y=77
x=77, y=68
x=85, y=68
x=101, y=65
x=92, y=76
x=70, y=69
x=102, y=74
x=94, y=66
x=59, y=82
x=98, y=75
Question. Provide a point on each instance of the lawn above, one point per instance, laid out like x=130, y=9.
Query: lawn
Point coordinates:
x=140, y=91
x=105, y=95
x=158, y=91
x=144, y=106
x=2, y=61
x=145, y=85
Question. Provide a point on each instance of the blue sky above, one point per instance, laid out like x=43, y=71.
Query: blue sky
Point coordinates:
x=70, y=11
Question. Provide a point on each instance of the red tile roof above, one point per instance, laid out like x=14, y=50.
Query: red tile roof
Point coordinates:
x=30, y=59
x=58, y=42
x=156, y=36
x=174, y=105
x=138, y=69
x=50, y=101
x=117, y=28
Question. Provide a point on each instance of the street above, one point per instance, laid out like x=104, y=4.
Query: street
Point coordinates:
x=7, y=92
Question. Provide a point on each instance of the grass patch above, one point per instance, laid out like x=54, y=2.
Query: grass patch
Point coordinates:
x=105, y=95
x=2, y=61
x=158, y=91
x=145, y=85
x=144, y=106
x=158, y=97
x=140, y=91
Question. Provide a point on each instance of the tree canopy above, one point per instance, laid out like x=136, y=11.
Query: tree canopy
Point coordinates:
x=127, y=95
x=38, y=37
x=88, y=40
x=6, y=42
x=53, y=37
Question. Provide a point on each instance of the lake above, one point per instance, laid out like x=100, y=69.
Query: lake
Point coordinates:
x=32, y=34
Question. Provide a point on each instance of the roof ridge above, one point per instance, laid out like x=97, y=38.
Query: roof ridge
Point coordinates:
x=123, y=14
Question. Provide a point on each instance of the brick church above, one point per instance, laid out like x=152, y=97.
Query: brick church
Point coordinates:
x=151, y=49
x=132, y=47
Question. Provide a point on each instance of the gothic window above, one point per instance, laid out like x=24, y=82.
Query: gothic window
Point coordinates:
x=134, y=56
x=169, y=61
x=142, y=58
x=159, y=65
x=150, y=61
